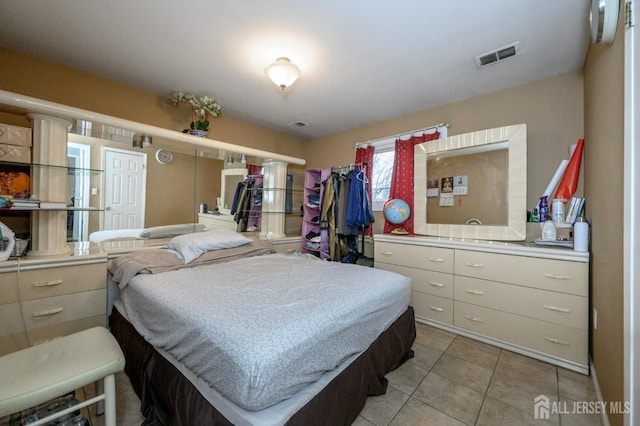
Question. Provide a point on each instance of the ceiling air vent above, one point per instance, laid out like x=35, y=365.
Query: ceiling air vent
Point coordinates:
x=297, y=124
x=498, y=55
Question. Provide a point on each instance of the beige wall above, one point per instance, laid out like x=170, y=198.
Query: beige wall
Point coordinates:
x=552, y=109
x=604, y=183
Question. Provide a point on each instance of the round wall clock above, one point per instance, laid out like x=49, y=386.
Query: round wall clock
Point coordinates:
x=604, y=20
x=163, y=156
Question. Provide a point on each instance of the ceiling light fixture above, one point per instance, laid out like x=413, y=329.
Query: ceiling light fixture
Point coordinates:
x=243, y=159
x=283, y=73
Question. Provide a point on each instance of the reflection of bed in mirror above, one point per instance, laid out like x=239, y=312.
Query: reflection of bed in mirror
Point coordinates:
x=153, y=233
x=240, y=367
x=489, y=168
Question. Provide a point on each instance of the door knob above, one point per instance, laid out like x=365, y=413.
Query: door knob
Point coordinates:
x=108, y=208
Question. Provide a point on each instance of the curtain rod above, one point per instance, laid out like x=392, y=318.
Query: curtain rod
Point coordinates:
x=398, y=135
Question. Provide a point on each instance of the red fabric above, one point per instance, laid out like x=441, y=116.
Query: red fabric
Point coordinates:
x=365, y=155
x=253, y=169
x=569, y=182
x=402, y=177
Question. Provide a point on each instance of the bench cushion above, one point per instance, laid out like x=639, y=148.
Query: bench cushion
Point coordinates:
x=45, y=371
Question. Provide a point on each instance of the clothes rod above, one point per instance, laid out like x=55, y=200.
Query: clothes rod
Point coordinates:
x=349, y=166
x=396, y=136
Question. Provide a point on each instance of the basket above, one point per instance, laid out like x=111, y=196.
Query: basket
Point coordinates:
x=19, y=249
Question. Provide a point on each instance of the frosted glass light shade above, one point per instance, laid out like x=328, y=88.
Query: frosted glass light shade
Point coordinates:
x=283, y=73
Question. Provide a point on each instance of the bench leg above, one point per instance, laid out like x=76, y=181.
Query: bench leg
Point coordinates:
x=99, y=391
x=110, y=400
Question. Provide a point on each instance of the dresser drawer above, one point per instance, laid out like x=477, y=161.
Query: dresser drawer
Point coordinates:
x=9, y=287
x=434, y=283
x=17, y=341
x=38, y=283
x=558, y=308
x=10, y=318
x=39, y=335
x=432, y=307
x=555, y=275
x=553, y=339
x=58, y=309
x=431, y=258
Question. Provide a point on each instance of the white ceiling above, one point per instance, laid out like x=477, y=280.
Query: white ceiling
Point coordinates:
x=362, y=61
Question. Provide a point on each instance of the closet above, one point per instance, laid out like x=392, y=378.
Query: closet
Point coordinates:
x=336, y=208
x=312, y=240
x=247, y=204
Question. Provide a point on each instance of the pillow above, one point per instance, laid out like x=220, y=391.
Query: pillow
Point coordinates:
x=171, y=230
x=189, y=247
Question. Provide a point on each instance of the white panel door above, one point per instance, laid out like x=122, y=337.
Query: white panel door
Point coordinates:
x=124, y=189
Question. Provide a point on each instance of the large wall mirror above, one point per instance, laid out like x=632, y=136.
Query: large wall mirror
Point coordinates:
x=189, y=174
x=473, y=186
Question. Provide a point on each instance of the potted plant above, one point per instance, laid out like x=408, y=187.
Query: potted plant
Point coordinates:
x=201, y=108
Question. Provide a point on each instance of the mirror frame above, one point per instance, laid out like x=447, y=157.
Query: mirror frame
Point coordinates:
x=516, y=227
x=223, y=183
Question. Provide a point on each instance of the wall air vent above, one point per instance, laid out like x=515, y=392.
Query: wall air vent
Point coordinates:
x=498, y=55
x=297, y=124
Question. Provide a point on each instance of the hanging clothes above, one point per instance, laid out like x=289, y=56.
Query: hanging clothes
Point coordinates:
x=346, y=209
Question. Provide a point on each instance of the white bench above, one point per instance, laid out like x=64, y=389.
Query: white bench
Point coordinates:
x=40, y=373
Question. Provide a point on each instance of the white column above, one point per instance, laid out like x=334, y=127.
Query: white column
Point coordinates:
x=49, y=183
x=273, y=199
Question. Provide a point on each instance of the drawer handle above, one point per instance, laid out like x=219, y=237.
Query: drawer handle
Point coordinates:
x=554, y=340
x=48, y=283
x=474, y=319
x=386, y=253
x=435, y=284
x=48, y=312
x=435, y=308
x=557, y=277
x=557, y=308
x=474, y=265
x=290, y=250
x=436, y=259
x=476, y=292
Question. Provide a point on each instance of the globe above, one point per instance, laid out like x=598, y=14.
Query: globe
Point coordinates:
x=396, y=211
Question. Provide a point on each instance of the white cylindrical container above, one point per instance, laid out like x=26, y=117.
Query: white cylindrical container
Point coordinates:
x=581, y=236
x=557, y=210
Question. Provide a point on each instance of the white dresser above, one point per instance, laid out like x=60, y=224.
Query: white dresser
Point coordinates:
x=217, y=221
x=44, y=298
x=528, y=299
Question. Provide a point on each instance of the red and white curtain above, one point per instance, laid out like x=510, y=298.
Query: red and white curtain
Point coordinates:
x=365, y=155
x=402, y=177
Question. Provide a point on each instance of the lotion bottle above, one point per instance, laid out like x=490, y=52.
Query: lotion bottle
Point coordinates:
x=549, y=232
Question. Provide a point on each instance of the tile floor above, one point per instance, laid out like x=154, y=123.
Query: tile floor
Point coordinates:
x=452, y=380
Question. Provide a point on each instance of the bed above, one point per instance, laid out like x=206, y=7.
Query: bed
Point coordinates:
x=244, y=336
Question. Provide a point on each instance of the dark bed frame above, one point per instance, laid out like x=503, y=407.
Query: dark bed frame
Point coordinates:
x=168, y=398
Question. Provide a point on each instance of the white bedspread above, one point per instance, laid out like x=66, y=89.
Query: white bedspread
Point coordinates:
x=260, y=329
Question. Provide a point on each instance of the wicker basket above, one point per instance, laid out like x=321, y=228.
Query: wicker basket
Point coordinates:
x=19, y=249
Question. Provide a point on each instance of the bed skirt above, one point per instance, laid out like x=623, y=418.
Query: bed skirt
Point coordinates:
x=168, y=398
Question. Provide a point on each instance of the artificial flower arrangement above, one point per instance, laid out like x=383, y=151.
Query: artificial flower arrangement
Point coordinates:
x=201, y=107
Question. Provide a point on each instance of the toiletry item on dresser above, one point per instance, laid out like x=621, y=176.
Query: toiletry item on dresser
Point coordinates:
x=557, y=210
x=544, y=209
x=581, y=235
x=549, y=232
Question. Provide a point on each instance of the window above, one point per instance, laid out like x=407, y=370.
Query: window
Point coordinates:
x=381, y=176
x=383, y=167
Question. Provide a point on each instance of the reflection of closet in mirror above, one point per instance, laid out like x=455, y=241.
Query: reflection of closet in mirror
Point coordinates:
x=230, y=180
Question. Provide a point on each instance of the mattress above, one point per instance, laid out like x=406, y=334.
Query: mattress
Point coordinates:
x=260, y=329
